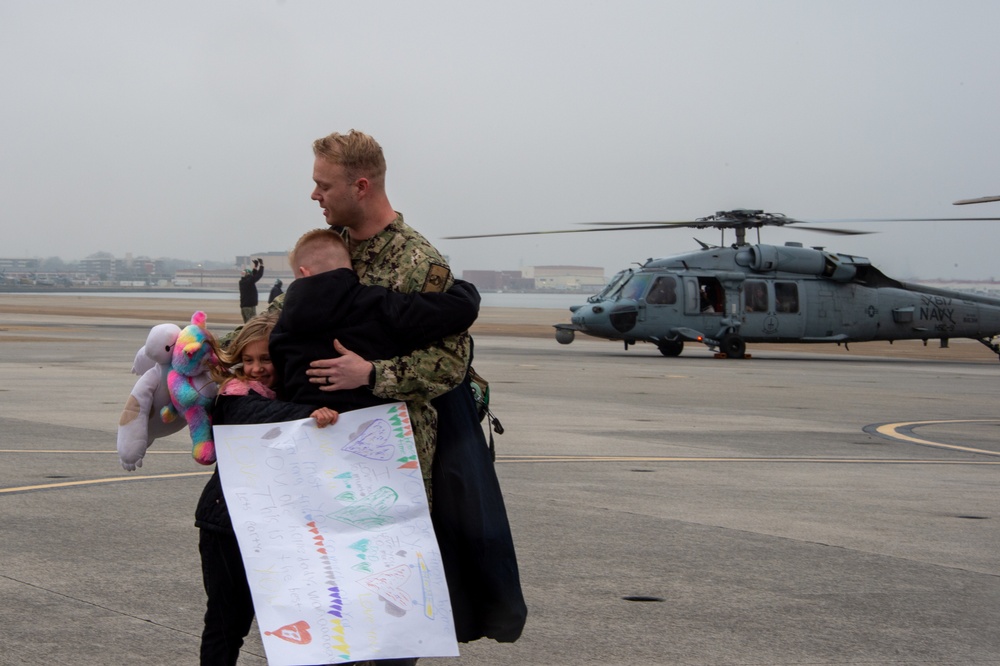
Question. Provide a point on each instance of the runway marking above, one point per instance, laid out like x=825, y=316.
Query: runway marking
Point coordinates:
x=90, y=482
x=889, y=431
x=103, y=453
x=869, y=461
x=892, y=431
x=545, y=459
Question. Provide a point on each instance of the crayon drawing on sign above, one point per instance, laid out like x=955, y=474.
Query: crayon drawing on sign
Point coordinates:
x=337, y=539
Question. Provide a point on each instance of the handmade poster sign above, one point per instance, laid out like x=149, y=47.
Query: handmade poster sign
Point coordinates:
x=337, y=539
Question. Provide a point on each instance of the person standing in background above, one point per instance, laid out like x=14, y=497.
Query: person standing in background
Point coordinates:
x=248, y=290
x=275, y=291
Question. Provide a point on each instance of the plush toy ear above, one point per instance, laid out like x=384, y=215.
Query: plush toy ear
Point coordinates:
x=142, y=362
x=159, y=344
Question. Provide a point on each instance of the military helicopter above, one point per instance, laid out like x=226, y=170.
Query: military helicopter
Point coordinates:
x=726, y=296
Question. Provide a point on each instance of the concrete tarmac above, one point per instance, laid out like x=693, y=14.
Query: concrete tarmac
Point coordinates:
x=799, y=507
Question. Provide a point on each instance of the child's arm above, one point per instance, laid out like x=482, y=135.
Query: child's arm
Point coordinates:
x=325, y=416
x=253, y=408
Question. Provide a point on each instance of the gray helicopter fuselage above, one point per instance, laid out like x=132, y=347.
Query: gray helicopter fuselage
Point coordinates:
x=767, y=293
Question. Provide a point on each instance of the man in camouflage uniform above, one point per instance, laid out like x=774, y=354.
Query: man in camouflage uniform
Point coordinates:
x=476, y=543
x=349, y=172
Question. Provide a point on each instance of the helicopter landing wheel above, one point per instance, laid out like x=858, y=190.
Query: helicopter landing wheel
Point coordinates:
x=670, y=347
x=733, y=346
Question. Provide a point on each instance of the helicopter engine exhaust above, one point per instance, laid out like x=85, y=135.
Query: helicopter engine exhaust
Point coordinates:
x=793, y=258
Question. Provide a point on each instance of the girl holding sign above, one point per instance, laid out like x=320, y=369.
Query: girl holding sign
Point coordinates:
x=246, y=376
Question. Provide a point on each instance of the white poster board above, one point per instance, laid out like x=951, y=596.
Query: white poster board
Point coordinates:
x=336, y=537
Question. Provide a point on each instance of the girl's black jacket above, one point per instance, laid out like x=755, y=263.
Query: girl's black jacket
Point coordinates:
x=212, y=512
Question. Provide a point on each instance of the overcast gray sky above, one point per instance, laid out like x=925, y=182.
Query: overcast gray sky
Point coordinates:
x=184, y=128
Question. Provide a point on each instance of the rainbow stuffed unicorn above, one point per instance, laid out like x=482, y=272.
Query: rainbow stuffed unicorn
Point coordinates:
x=191, y=388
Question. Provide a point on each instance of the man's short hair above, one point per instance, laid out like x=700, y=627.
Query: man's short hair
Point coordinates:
x=358, y=153
x=318, y=250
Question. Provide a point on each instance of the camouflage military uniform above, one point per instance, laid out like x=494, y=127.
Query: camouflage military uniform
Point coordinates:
x=400, y=259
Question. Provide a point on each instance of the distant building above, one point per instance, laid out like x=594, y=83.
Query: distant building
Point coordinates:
x=498, y=280
x=566, y=278
x=19, y=265
x=103, y=267
x=539, y=278
x=224, y=279
x=275, y=266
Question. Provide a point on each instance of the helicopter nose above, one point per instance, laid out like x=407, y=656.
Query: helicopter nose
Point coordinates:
x=624, y=319
x=607, y=317
x=584, y=313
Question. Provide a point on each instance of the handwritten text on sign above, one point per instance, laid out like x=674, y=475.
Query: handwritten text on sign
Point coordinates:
x=336, y=537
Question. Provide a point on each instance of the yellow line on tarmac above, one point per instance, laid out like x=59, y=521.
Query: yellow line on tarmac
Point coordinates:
x=891, y=430
x=90, y=482
x=104, y=453
x=869, y=461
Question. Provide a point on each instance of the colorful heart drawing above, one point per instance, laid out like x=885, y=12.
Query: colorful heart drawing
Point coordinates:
x=374, y=441
x=371, y=512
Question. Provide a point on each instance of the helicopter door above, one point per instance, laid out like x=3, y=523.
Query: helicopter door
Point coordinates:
x=704, y=295
x=772, y=309
x=661, y=300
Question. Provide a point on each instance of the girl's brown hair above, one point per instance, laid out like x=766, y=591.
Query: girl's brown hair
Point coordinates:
x=231, y=358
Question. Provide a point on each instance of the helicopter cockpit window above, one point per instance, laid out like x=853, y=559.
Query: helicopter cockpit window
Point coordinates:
x=786, y=297
x=664, y=291
x=755, y=296
x=613, y=286
x=635, y=287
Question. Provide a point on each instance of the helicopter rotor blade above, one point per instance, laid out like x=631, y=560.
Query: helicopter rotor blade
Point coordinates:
x=554, y=231
x=913, y=219
x=651, y=224
x=783, y=221
x=733, y=220
x=963, y=202
x=705, y=223
x=838, y=232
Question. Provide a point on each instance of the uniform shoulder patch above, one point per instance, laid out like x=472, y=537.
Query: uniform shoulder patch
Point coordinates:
x=437, y=278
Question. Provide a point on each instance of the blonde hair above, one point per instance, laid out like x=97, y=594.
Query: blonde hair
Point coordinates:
x=358, y=153
x=320, y=250
x=231, y=358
